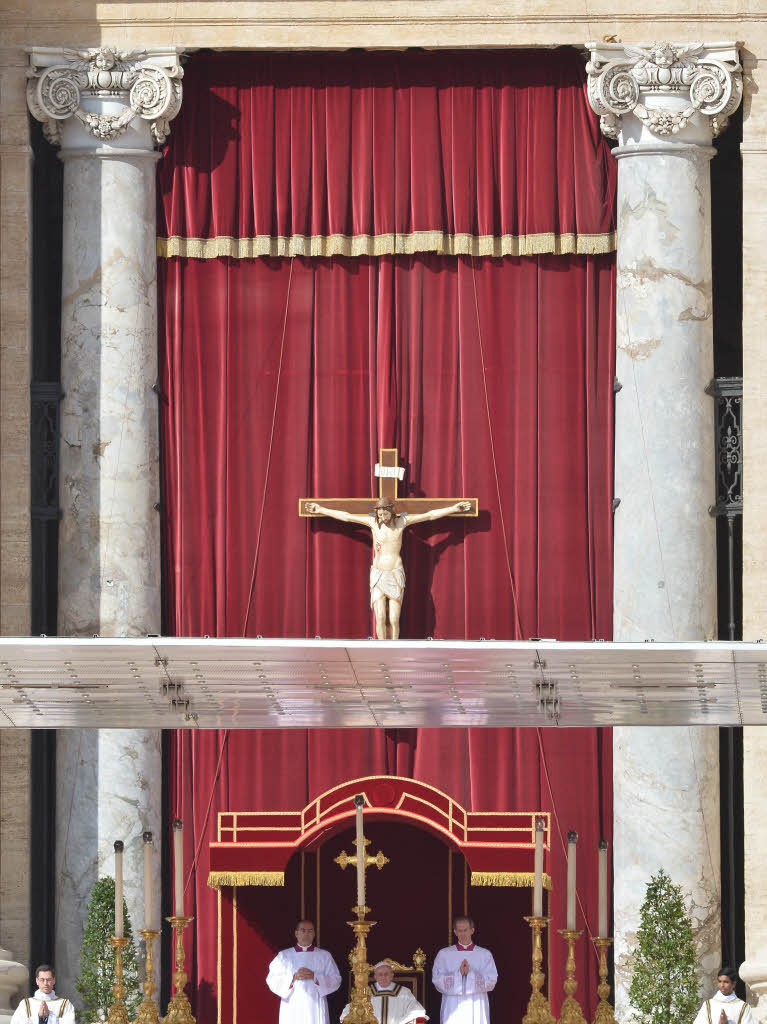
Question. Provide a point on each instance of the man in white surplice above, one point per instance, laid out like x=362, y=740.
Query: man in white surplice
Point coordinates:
x=44, y=1007
x=464, y=974
x=725, y=1007
x=303, y=976
x=392, y=1004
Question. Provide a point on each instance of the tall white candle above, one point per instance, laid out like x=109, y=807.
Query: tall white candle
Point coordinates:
x=572, y=840
x=118, y=889
x=359, y=802
x=178, y=867
x=147, y=837
x=540, y=824
x=603, y=889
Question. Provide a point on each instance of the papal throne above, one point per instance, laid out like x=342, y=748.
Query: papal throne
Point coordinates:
x=413, y=975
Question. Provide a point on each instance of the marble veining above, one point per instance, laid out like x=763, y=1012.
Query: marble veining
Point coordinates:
x=109, y=786
x=666, y=781
x=666, y=800
x=110, y=530
x=109, y=782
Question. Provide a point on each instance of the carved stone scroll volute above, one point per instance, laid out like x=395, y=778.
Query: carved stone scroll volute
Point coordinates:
x=621, y=79
x=147, y=84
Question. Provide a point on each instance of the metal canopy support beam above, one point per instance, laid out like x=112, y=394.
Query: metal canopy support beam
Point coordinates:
x=172, y=683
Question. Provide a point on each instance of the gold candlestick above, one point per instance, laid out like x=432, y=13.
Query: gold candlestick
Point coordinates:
x=148, y=1013
x=360, y=1006
x=538, y=1006
x=179, y=1010
x=117, y=1012
x=571, y=1012
x=604, y=1012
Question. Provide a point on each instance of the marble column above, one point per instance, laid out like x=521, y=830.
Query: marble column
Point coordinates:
x=754, y=970
x=664, y=103
x=754, y=156
x=109, y=786
x=106, y=110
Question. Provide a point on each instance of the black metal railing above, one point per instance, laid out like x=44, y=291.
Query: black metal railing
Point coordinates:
x=728, y=420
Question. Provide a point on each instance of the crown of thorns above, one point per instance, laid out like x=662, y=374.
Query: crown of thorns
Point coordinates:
x=386, y=503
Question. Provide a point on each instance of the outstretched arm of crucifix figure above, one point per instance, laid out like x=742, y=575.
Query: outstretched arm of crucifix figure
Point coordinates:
x=345, y=517
x=438, y=513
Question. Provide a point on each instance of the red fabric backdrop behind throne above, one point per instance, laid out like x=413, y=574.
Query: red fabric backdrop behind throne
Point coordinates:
x=402, y=250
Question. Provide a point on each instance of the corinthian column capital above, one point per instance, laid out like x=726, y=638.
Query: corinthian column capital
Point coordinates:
x=104, y=89
x=666, y=86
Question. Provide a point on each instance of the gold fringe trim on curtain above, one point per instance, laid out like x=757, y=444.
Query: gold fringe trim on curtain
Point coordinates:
x=516, y=879
x=386, y=245
x=220, y=879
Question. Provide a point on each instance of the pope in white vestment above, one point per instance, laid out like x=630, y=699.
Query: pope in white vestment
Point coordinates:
x=725, y=1001
x=464, y=974
x=392, y=1004
x=303, y=976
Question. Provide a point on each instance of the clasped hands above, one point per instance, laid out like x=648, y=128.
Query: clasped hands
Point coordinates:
x=723, y=1018
x=303, y=974
x=43, y=1011
x=464, y=968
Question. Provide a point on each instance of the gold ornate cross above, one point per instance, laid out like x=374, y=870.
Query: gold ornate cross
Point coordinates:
x=343, y=859
x=389, y=473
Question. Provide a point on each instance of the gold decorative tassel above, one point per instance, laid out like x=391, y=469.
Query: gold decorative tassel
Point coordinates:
x=512, y=879
x=390, y=244
x=222, y=879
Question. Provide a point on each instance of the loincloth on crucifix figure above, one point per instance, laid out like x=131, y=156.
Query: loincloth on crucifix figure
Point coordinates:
x=387, y=521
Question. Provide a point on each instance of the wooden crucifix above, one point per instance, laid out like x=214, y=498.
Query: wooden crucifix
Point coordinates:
x=387, y=520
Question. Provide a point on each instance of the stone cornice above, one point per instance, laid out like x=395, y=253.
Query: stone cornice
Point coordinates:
x=64, y=83
x=664, y=85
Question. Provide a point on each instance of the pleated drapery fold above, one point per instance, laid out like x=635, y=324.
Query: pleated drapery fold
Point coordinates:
x=367, y=250
x=372, y=154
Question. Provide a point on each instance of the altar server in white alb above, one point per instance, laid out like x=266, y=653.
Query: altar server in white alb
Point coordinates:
x=392, y=1004
x=464, y=974
x=303, y=976
x=44, y=1007
x=724, y=1007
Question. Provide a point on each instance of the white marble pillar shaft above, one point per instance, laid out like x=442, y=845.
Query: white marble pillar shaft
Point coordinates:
x=109, y=787
x=106, y=109
x=754, y=969
x=109, y=537
x=665, y=539
x=666, y=815
x=663, y=103
x=754, y=157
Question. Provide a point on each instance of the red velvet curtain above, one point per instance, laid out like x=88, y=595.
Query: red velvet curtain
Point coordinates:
x=567, y=772
x=282, y=377
x=492, y=377
x=355, y=144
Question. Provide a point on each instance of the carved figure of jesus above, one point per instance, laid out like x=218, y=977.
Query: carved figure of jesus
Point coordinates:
x=387, y=573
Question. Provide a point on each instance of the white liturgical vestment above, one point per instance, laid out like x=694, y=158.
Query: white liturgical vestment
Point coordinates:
x=60, y=1011
x=464, y=998
x=737, y=1011
x=393, y=1005
x=305, y=1001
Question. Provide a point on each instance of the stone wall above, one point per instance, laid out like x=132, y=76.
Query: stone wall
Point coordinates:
x=15, y=841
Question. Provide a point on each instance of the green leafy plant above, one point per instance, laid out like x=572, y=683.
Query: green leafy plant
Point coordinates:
x=664, y=983
x=97, y=957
